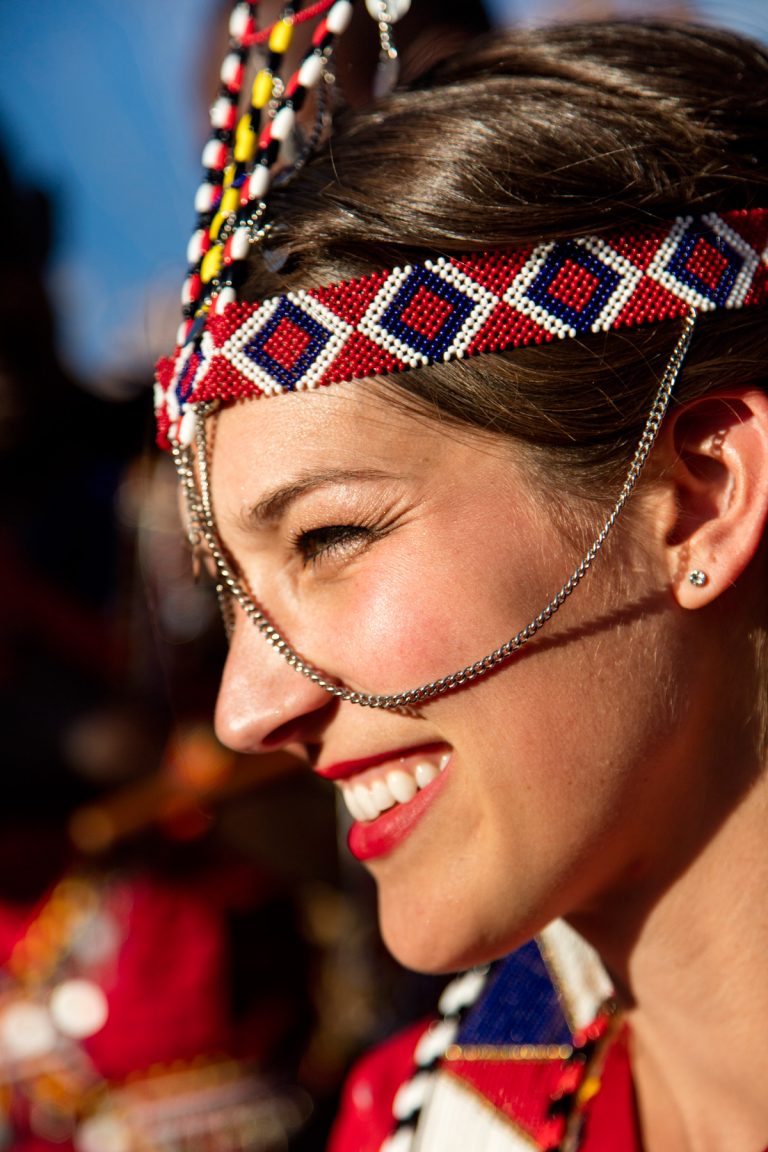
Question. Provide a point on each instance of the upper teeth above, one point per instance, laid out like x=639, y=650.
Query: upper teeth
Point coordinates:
x=397, y=786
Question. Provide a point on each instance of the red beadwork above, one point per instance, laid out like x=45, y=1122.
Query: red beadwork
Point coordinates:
x=483, y=302
x=309, y=13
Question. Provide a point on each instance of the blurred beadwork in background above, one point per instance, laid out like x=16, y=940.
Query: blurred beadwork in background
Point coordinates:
x=188, y=958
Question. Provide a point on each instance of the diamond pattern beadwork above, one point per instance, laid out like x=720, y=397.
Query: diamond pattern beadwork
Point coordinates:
x=448, y=308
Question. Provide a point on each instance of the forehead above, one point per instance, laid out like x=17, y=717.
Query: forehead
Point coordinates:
x=343, y=424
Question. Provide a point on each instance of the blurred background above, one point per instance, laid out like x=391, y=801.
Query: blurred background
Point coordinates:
x=188, y=957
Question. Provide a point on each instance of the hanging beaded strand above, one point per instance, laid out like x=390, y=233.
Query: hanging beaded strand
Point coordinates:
x=233, y=228
x=240, y=160
x=244, y=155
x=215, y=158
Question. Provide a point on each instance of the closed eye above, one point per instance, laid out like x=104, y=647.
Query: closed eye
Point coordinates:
x=331, y=540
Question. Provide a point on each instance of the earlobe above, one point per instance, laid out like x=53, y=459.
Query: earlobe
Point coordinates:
x=718, y=451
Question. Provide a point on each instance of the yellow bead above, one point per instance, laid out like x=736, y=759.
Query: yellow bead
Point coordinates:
x=230, y=201
x=216, y=224
x=589, y=1088
x=246, y=141
x=211, y=265
x=261, y=93
x=281, y=36
x=229, y=175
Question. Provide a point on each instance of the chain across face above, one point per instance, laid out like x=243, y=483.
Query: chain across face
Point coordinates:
x=194, y=473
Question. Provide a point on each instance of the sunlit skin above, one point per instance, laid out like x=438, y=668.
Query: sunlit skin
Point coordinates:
x=586, y=777
x=559, y=762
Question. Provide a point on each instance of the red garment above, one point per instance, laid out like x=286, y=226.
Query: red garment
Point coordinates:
x=518, y=1090
x=515, y=1088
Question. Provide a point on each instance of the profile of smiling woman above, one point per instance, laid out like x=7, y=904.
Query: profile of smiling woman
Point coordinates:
x=608, y=765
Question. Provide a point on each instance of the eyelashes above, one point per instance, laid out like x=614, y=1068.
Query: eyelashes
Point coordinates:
x=331, y=541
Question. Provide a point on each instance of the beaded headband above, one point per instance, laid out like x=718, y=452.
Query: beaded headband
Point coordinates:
x=449, y=308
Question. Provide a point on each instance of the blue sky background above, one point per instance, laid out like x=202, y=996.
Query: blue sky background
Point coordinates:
x=98, y=105
x=747, y=16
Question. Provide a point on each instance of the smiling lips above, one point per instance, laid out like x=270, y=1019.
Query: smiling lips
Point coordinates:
x=380, y=789
x=387, y=794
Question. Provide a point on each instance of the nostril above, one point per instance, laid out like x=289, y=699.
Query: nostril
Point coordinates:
x=302, y=729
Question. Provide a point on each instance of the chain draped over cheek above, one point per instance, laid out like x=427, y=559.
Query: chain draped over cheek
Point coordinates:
x=193, y=466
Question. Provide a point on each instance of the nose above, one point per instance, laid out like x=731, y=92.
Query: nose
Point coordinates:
x=263, y=703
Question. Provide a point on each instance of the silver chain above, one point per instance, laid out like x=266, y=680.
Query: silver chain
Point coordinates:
x=202, y=529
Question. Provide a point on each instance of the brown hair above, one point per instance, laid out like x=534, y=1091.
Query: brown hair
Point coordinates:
x=533, y=135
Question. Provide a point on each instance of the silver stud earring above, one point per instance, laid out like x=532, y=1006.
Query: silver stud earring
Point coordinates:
x=697, y=577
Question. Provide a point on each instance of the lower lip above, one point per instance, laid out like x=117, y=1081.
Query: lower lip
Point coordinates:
x=381, y=836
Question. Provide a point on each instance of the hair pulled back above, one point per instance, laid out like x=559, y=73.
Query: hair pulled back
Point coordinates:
x=529, y=136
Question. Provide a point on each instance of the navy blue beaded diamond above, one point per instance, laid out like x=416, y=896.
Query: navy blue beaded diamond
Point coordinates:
x=605, y=277
x=459, y=307
x=730, y=263
x=288, y=371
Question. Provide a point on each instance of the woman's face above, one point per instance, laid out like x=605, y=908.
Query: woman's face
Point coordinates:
x=391, y=551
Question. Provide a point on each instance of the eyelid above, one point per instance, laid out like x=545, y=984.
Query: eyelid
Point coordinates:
x=340, y=538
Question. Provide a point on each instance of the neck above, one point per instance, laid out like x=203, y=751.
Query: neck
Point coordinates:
x=691, y=970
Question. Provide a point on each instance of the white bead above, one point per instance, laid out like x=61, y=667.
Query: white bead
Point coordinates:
x=181, y=333
x=462, y=992
x=187, y=428
x=221, y=112
x=411, y=1096
x=230, y=69
x=339, y=17
x=238, y=21
x=311, y=70
x=435, y=1041
x=283, y=123
x=172, y=405
x=241, y=244
x=195, y=246
x=186, y=292
x=226, y=296
x=214, y=154
x=400, y=1141
x=183, y=356
x=258, y=183
x=204, y=197
x=393, y=10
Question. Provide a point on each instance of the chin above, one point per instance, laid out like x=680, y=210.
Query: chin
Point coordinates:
x=425, y=941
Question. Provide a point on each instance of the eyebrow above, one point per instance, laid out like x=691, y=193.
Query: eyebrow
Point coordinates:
x=275, y=504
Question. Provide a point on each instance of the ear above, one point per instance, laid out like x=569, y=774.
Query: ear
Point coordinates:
x=717, y=454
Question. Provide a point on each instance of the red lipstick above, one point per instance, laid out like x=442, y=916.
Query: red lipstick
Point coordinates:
x=379, y=837
x=343, y=769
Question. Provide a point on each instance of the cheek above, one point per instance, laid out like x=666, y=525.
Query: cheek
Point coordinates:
x=406, y=622
x=402, y=632
x=422, y=606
